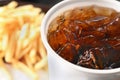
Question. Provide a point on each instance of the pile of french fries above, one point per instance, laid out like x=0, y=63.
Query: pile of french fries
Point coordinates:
x=20, y=41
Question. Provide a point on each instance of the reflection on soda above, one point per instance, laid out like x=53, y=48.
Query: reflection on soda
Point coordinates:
x=87, y=36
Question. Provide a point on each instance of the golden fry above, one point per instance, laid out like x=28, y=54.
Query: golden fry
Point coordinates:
x=28, y=62
x=20, y=41
x=32, y=56
x=41, y=64
x=12, y=5
x=4, y=42
x=23, y=52
x=9, y=53
x=42, y=50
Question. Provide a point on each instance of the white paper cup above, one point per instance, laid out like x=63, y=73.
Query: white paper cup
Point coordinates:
x=60, y=69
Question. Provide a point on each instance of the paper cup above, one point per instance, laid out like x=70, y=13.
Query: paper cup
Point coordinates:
x=60, y=69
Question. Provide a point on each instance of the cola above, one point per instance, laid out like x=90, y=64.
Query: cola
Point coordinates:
x=87, y=36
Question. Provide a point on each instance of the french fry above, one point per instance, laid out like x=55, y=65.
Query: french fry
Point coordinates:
x=24, y=8
x=20, y=41
x=9, y=53
x=38, y=19
x=41, y=64
x=12, y=5
x=42, y=50
x=4, y=42
x=28, y=62
x=32, y=54
x=23, y=52
x=24, y=32
x=3, y=45
x=41, y=17
x=18, y=49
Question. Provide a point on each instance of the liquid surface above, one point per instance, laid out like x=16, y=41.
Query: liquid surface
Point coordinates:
x=87, y=36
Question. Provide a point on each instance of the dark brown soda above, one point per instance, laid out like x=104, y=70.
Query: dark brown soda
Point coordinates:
x=87, y=36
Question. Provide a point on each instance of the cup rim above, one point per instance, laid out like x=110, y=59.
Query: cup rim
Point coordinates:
x=76, y=67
